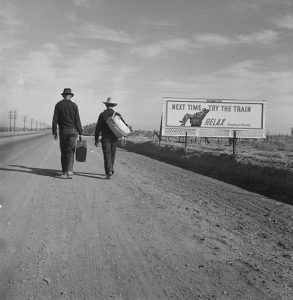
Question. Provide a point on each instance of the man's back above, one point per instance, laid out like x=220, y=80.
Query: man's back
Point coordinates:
x=109, y=139
x=102, y=126
x=66, y=115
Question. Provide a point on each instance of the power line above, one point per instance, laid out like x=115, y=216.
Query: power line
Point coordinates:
x=34, y=124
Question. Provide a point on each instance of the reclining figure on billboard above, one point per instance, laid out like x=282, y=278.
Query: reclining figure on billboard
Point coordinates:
x=195, y=119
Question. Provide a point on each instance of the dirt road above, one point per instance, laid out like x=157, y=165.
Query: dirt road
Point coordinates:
x=154, y=231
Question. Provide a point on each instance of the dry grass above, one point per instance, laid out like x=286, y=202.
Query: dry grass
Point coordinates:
x=275, y=151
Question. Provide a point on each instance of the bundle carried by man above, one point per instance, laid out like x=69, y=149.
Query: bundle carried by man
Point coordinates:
x=116, y=123
x=119, y=128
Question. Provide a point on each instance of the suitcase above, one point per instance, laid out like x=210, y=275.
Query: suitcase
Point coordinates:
x=81, y=150
x=119, y=128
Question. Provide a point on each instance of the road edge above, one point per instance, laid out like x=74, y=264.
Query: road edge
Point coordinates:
x=268, y=181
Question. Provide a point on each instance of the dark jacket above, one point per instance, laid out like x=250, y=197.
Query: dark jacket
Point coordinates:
x=66, y=116
x=102, y=127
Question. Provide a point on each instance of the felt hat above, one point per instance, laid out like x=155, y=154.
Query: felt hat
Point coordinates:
x=110, y=102
x=67, y=91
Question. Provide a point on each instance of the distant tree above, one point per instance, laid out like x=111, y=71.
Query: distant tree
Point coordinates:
x=89, y=129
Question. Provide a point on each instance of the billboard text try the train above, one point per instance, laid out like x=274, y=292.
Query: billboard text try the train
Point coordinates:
x=213, y=117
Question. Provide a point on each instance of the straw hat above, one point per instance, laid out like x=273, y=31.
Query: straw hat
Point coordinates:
x=109, y=102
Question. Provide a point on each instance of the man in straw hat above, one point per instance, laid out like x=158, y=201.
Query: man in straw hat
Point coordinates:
x=66, y=116
x=109, y=139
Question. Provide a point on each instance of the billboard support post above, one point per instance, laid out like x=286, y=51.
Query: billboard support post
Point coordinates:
x=234, y=142
x=185, y=139
x=161, y=128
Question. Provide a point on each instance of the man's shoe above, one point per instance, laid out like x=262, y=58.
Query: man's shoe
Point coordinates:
x=112, y=172
x=108, y=176
x=70, y=175
x=63, y=175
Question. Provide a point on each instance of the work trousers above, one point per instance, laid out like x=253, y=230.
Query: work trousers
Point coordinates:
x=109, y=152
x=67, y=139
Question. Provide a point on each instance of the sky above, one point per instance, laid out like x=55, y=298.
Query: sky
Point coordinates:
x=138, y=51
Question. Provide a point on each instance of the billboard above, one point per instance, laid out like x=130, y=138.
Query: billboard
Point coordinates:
x=213, y=117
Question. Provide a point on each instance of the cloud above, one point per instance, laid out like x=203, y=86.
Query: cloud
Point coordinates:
x=29, y=82
x=232, y=81
x=265, y=37
x=246, y=79
x=285, y=22
x=87, y=68
x=8, y=18
x=97, y=32
x=72, y=17
x=156, y=49
x=38, y=77
x=50, y=66
x=10, y=26
x=86, y=3
x=253, y=7
x=210, y=40
x=154, y=23
x=207, y=40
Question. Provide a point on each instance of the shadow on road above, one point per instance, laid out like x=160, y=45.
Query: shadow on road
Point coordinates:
x=31, y=170
x=90, y=175
x=49, y=172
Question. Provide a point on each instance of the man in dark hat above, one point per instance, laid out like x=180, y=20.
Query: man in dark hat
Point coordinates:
x=66, y=116
x=109, y=139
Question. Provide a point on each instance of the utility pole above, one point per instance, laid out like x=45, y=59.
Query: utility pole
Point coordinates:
x=37, y=125
x=10, y=119
x=32, y=121
x=14, y=113
x=24, y=118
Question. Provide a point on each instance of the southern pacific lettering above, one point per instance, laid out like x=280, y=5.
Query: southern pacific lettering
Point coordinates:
x=215, y=122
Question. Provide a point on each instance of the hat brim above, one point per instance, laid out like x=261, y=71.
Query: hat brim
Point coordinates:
x=67, y=94
x=110, y=104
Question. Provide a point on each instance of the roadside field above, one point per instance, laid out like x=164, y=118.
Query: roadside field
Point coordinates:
x=263, y=166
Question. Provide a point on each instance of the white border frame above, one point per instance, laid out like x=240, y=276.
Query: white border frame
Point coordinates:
x=213, y=131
